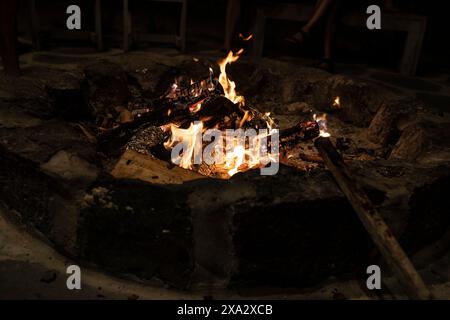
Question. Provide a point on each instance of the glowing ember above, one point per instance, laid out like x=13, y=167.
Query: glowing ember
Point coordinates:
x=245, y=38
x=195, y=107
x=321, y=120
x=337, y=103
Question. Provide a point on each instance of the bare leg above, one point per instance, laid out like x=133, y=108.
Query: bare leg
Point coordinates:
x=8, y=36
x=330, y=28
x=233, y=13
x=328, y=38
x=320, y=11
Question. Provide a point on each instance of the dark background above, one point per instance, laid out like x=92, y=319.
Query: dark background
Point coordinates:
x=206, y=21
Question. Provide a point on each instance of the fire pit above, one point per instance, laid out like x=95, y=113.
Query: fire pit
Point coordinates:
x=206, y=126
x=222, y=224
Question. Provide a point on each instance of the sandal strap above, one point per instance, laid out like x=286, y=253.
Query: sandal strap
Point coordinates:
x=305, y=34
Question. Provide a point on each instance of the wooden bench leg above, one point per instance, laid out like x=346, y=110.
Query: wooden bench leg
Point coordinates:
x=413, y=49
x=8, y=40
x=126, y=26
x=34, y=26
x=98, y=25
x=258, y=39
x=183, y=20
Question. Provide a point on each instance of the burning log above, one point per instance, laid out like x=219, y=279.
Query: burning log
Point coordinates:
x=175, y=107
x=303, y=131
x=214, y=112
x=188, y=110
x=372, y=221
x=149, y=137
x=311, y=157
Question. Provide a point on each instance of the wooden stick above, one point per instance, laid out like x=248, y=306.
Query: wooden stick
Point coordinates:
x=373, y=222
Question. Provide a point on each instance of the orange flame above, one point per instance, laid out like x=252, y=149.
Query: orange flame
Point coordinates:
x=337, y=103
x=235, y=160
x=245, y=38
x=239, y=155
x=191, y=138
x=236, y=153
x=229, y=87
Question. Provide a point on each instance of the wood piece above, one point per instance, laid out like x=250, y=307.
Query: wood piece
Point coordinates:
x=372, y=221
x=412, y=143
x=137, y=166
x=303, y=131
x=383, y=129
x=116, y=138
x=311, y=157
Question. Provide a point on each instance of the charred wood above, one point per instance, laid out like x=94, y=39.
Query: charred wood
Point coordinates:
x=373, y=222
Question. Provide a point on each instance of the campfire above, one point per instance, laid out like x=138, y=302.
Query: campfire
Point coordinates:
x=206, y=126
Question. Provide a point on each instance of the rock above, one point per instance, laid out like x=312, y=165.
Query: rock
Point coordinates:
x=13, y=119
x=383, y=129
x=239, y=232
x=71, y=167
x=358, y=100
x=288, y=91
x=138, y=244
x=299, y=108
x=125, y=116
x=26, y=189
x=49, y=276
x=106, y=87
x=411, y=144
x=68, y=97
x=149, y=71
x=431, y=200
x=424, y=141
x=39, y=143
